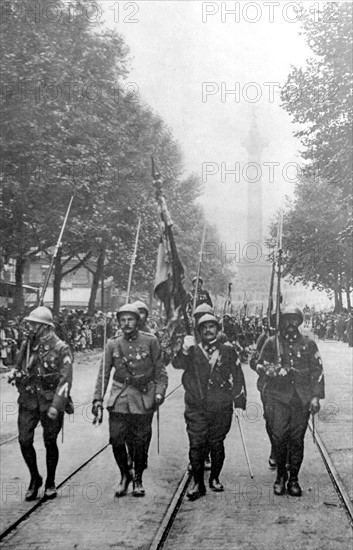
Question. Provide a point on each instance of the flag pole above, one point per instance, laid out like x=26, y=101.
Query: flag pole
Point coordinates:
x=199, y=268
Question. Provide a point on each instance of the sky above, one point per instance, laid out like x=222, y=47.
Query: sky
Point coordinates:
x=185, y=57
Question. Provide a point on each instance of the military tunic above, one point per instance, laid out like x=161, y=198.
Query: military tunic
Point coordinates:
x=287, y=395
x=45, y=382
x=139, y=375
x=213, y=382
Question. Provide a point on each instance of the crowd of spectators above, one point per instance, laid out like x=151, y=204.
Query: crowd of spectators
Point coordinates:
x=85, y=333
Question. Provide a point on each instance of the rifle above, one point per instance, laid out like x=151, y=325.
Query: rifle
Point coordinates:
x=57, y=246
x=199, y=269
x=132, y=263
x=228, y=301
x=25, y=352
x=99, y=418
x=278, y=295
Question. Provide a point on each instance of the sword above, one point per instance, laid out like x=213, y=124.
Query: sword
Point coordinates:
x=313, y=422
x=158, y=430
x=244, y=445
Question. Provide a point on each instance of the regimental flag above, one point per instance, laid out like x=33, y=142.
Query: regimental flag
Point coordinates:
x=168, y=284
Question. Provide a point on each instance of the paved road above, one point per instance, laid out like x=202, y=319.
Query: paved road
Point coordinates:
x=87, y=515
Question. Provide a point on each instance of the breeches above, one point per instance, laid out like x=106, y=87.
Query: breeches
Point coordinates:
x=287, y=424
x=207, y=431
x=130, y=428
x=205, y=426
x=28, y=421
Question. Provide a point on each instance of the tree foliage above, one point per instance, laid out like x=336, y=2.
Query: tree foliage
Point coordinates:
x=73, y=124
x=319, y=97
x=318, y=225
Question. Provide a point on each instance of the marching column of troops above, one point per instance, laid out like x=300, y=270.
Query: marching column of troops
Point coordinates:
x=290, y=381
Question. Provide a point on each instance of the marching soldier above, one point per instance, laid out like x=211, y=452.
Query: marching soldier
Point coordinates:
x=202, y=295
x=291, y=390
x=139, y=385
x=144, y=312
x=43, y=377
x=214, y=382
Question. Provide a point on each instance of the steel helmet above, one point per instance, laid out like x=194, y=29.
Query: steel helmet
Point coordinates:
x=41, y=315
x=202, y=309
x=208, y=319
x=141, y=305
x=128, y=308
x=195, y=279
x=292, y=310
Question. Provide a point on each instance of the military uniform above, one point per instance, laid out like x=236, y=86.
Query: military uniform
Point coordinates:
x=213, y=381
x=139, y=375
x=202, y=297
x=45, y=382
x=287, y=395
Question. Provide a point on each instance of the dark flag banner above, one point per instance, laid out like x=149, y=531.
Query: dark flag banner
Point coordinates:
x=168, y=284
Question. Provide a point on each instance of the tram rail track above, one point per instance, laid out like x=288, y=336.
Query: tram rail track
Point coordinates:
x=333, y=474
x=166, y=525
x=168, y=520
x=43, y=500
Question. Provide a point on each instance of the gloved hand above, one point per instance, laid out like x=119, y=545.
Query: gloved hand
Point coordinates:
x=97, y=411
x=314, y=405
x=271, y=369
x=52, y=413
x=158, y=400
x=189, y=341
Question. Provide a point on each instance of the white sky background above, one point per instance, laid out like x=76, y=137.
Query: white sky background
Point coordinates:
x=173, y=52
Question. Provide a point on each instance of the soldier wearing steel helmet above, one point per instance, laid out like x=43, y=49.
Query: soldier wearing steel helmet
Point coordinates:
x=214, y=383
x=293, y=384
x=144, y=312
x=138, y=387
x=43, y=376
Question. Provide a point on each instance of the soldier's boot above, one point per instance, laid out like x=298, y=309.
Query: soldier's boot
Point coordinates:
x=288, y=459
x=140, y=461
x=198, y=488
x=138, y=488
x=293, y=487
x=30, y=458
x=279, y=487
x=52, y=459
x=122, y=461
x=217, y=460
x=272, y=461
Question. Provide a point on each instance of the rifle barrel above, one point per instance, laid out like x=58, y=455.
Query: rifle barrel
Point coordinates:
x=57, y=246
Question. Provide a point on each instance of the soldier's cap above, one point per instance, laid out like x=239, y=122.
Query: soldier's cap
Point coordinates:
x=128, y=308
x=141, y=305
x=208, y=319
x=202, y=309
x=41, y=315
x=292, y=310
x=195, y=279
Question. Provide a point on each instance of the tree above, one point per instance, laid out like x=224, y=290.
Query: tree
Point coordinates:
x=316, y=249
x=319, y=97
